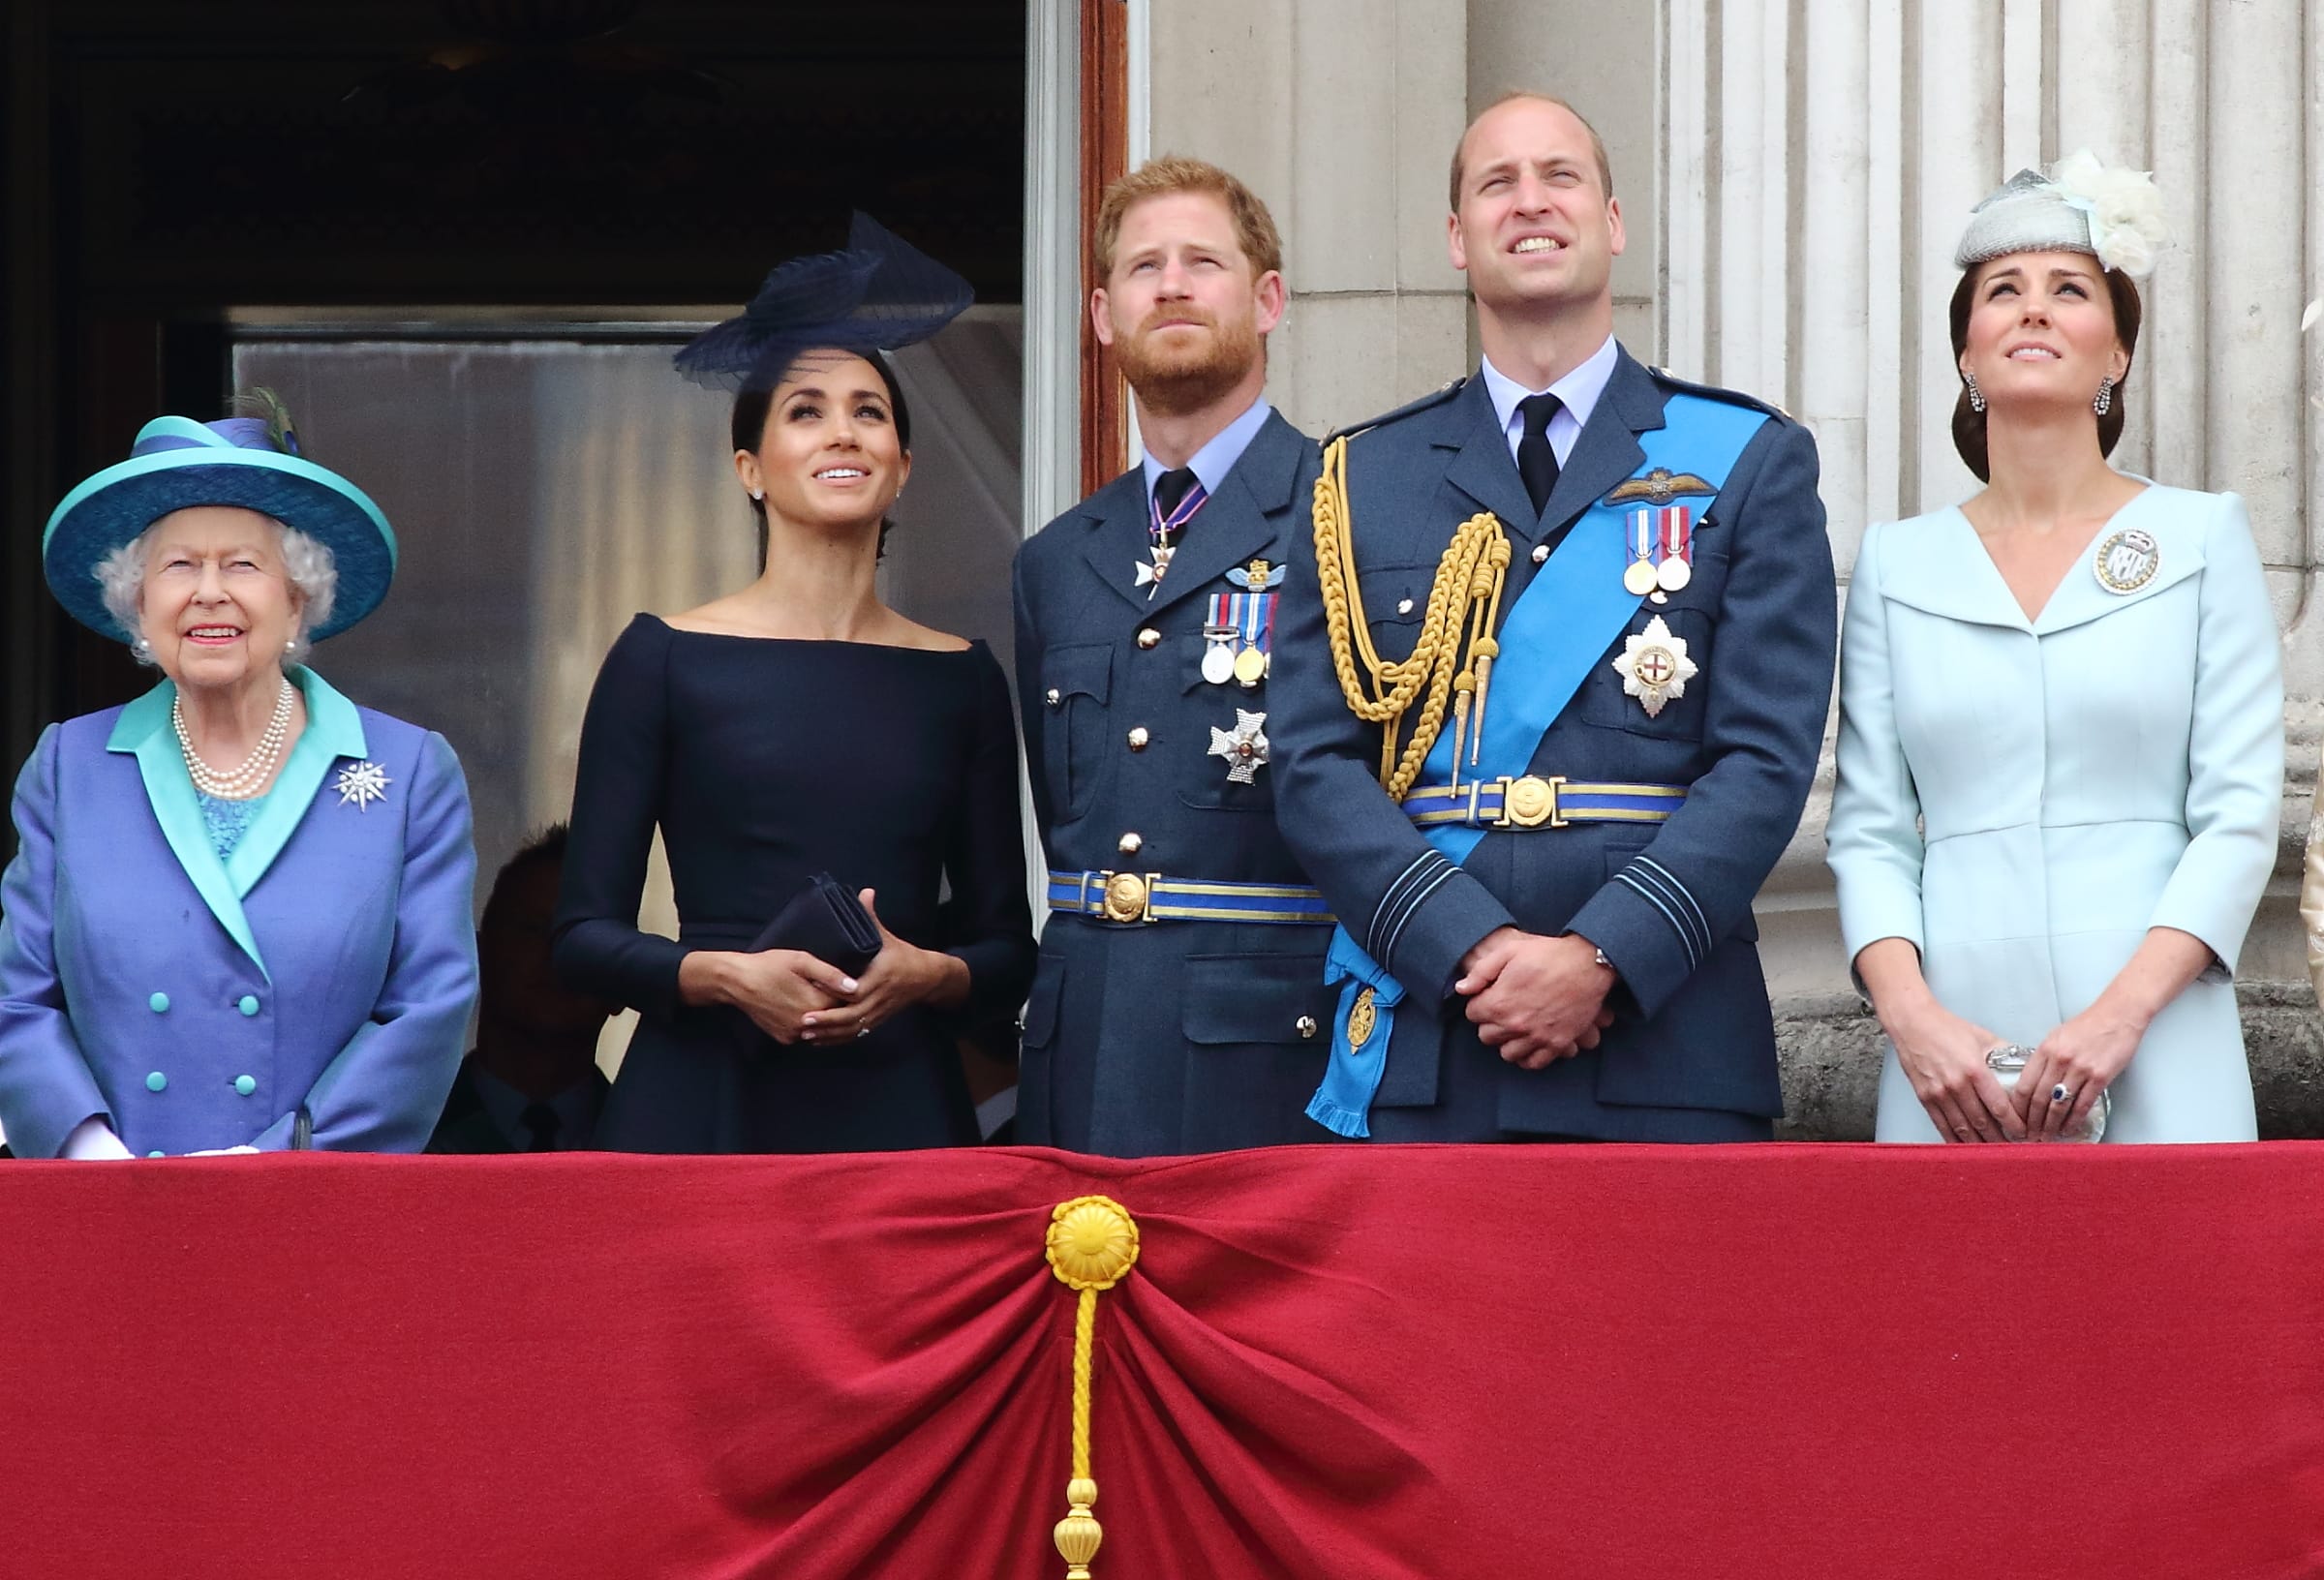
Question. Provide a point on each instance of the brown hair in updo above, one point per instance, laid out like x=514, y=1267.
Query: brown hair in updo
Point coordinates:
x=1968, y=424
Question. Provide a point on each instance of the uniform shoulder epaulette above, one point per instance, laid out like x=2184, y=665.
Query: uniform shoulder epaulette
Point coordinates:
x=1435, y=396
x=1733, y=397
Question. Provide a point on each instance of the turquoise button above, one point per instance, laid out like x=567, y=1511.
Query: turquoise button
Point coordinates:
x=155, y=1081
x=245, y=1085
x=249, y=1005
x=157, y=1154
x=159, y=1003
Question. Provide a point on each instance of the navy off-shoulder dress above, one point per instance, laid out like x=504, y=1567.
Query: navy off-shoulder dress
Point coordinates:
x=765, y=761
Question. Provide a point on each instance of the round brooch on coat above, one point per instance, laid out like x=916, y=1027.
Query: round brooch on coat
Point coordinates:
x=2127, y=562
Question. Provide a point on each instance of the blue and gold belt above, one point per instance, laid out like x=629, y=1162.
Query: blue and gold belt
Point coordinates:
x=1150, y=896
x=1533, y=801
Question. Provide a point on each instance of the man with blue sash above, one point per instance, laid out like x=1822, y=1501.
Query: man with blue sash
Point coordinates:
x=1551, y=683
x=1179, y=1005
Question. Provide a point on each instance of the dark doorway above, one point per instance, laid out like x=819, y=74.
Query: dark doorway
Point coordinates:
x=182, y=179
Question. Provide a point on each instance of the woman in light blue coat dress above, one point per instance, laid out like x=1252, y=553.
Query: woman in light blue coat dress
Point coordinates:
x=2060, y=754
x=238, y=915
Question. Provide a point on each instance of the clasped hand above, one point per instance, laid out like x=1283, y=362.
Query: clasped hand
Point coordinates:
x=1943, y=1056
x=1536, y=999
x=794, y=997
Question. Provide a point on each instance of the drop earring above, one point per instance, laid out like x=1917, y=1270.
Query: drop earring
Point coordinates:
x=2103, y=401
x=1976, y=396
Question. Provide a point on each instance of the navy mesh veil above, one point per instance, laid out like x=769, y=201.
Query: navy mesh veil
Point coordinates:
x=879, y=294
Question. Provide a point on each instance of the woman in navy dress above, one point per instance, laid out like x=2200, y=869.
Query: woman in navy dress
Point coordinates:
x=794, y=728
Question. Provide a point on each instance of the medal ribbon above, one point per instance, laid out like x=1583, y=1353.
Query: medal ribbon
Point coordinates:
x=1164, y=530
x=1679, y=531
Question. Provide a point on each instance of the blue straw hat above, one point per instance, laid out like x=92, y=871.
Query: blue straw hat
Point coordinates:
x=177, y=462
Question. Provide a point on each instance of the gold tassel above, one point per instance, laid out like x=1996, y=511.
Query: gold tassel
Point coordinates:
x=1093, y=1244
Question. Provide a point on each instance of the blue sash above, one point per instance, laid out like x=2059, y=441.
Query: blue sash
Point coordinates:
x=1551, y=639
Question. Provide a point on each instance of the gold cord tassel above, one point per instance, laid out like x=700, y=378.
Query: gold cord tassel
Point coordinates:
x=1093, y=1244
x=1466, y=591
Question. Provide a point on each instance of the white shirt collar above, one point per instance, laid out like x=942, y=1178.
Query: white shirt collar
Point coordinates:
x=1577, y=394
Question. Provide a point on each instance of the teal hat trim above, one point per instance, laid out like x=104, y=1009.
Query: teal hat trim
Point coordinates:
x=178, y=464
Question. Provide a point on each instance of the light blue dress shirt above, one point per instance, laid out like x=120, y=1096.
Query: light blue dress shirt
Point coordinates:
x=1215, y=458
x=1577, y=395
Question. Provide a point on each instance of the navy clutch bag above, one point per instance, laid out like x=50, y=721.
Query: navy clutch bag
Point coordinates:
x=827, y=921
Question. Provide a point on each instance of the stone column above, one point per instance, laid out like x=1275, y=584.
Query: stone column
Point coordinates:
x=1341, y=114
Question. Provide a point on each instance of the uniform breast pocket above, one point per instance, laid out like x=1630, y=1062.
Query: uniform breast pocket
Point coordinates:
x=1075, y=683
x=1660, y=691
x=1395, y=600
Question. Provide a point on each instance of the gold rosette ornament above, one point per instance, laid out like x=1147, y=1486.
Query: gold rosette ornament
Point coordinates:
x=1093, y=1246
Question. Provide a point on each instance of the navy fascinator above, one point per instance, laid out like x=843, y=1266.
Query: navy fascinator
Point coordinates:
x=879, y=293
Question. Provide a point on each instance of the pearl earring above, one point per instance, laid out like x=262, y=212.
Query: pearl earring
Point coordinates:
x=140, y=649
x=1976, y=396
x=757, y=495
x=2103, y=401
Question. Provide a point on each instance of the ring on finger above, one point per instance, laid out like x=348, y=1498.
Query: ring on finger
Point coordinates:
x=2061, y=1093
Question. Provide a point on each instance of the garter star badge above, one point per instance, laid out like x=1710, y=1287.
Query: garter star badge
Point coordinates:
x=1244, y=746
x=2127, y=562
x=361, y=784
x=1654, y=666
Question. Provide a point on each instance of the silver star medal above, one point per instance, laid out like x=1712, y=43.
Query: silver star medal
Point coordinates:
x=1244, y=746
x=361, y=783
x=1654, y=666
x=1149, y=572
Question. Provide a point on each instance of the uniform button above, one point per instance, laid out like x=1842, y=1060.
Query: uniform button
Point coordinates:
x=1149, y=637
x=1306, y=1025
x=1541, y=552
x=155, y=1081
x=159, y=1003
x=1054, y=696
x=1128, y=844
x=245, y=1085
x=249, y=1005
x=1404, y=606
x=1138, y=737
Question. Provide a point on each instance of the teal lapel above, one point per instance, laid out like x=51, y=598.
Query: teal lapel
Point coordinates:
x=334, y=730
x=143, y=728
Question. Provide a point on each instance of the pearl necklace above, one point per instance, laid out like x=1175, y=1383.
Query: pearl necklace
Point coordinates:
x=256, y=770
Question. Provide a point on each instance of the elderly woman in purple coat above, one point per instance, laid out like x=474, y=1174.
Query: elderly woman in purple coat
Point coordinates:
x=238, y=917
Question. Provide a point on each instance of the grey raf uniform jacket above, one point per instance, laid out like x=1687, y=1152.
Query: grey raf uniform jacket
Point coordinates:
x=1163, y=1037
x=1691, y=1055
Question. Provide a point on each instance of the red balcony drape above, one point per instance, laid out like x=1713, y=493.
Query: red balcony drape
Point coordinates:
x=1329, y=1362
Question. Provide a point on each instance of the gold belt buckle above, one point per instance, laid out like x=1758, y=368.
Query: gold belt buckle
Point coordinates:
x=1129, y=897
x=1530, y=802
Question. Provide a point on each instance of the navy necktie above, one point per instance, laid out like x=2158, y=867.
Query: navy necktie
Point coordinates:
x=1536, y=462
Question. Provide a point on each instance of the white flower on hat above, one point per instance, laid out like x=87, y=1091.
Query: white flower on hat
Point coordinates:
x=2126, y=225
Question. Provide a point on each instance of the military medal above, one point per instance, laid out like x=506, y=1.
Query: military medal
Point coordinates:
x=1654, y=666
x=1676, y=569
x=2127, y=562
x=1247, y=622
x=1162, y=535
x=1244, y=746
x=1637, y=579
x=1218, y=653
x=1149, y=572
